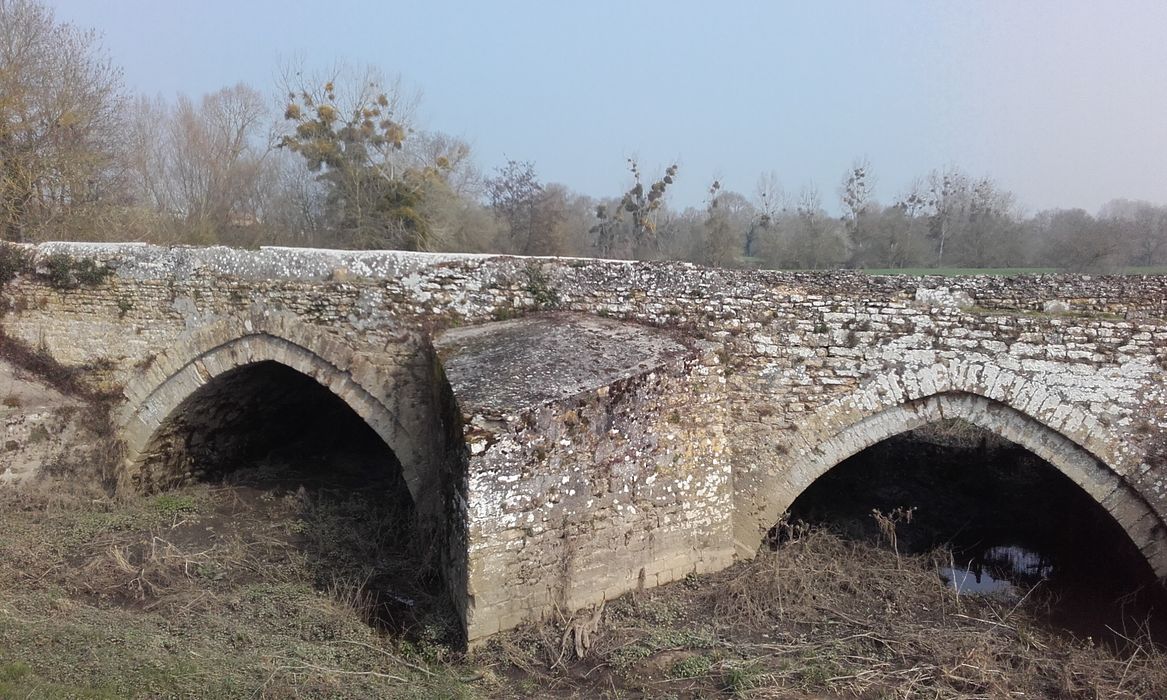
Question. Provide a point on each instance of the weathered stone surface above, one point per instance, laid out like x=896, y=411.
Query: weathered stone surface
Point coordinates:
x=526, y=362
x=597, y=461
x=36, y=423
x=569, y=460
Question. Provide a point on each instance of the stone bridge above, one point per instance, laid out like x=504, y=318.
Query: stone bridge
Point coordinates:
x=569, y=429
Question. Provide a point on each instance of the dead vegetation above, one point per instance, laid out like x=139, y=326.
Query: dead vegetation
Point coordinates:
x=959, y=434
x=232, y=590
x=827, y=617
x=217, y=591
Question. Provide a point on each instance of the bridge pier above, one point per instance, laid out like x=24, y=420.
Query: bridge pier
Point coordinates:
x=597, y=462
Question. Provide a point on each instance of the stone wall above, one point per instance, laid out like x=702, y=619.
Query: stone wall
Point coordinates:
x=801, y=369
x=597, y=462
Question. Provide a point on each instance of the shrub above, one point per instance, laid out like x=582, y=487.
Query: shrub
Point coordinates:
x=14, y=260
x=59, y=271
x=540, y=288
x=63, y=272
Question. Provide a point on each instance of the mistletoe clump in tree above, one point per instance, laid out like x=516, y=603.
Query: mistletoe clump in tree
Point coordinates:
x=632, y=227
x=357, y=144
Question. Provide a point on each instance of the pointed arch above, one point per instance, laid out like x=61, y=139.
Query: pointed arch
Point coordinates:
x=1015, y=408
x=176, y=375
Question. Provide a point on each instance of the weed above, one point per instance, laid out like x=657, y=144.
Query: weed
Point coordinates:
x=629, y=655
x=11, y=401
x=59, y=271
x=171, y=505
x=85, y=527
x=694, y=666
x=818, y=671
x=62, y=271
x=540, y=288
x=887, y=523
x=725, y=359
x=505, y=312
x=89, y=274
x=13, y=671
x=660, y=612
x=739, y=678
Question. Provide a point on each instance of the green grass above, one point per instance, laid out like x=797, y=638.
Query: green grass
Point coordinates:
x=172, y=505
x=1000, y=271
x=17, y=680
x=963, y=271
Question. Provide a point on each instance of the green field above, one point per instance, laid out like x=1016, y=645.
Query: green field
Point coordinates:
x=1002, y=271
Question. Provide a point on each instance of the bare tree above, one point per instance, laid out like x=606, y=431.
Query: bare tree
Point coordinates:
x=896, y=238
x=147, y=154
x=296, y=213
x=728, y=226
x=1142, y=227
x=215, y=161
x=947, y=197
x=719, y=249
x=450, y=156
x=856, y=193
x=816, y=241
x=988, y=234
x=60, y=122
x=769, y=202
x=1075, y=241
x=514, y=194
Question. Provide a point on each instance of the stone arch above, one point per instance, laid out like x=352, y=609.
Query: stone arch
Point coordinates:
x=1015, y=408
x=176, y=375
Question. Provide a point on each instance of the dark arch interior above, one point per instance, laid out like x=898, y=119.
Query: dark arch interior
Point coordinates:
x=1005, y=514
x=272, y=436
x=258, y=411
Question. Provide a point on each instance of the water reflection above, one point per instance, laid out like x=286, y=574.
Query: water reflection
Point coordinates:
x=1000, y=571
x=1014, y=525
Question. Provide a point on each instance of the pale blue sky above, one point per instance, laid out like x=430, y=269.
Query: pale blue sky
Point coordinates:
x=1064, y=102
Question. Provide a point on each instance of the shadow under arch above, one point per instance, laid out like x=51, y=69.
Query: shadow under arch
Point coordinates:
x=176, y=375
x=405, y=400
x=1129, y=509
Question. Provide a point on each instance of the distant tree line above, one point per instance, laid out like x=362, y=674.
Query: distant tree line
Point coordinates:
x=339, y=161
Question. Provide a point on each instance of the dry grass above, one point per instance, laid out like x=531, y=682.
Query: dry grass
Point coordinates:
x=208, y=592
x=826, y=617
x=225, y=592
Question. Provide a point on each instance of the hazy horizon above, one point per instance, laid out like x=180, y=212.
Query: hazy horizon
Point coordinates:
x=1061, y=103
